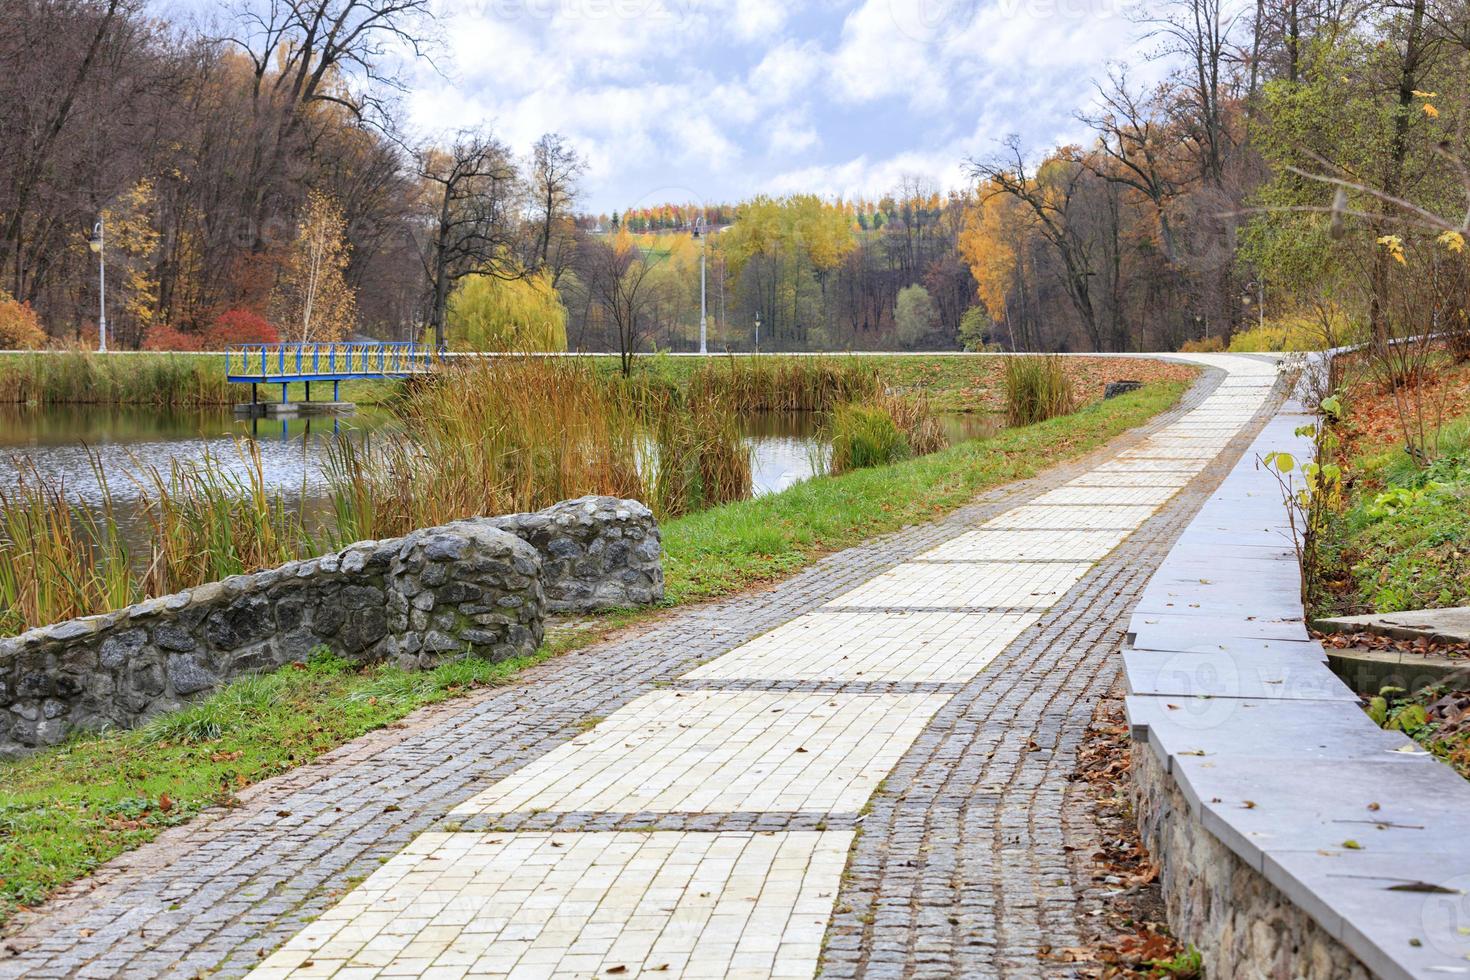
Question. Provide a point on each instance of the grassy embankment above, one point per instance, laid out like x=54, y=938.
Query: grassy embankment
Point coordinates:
x=66, y=811
x=1399, y=538
x=952, y=383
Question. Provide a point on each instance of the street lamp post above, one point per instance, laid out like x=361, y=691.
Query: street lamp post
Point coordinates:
x=700, y=236
x=1260, y=286
x=97, y=242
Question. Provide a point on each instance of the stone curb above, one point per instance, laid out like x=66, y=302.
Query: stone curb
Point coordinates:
x=1297, y=838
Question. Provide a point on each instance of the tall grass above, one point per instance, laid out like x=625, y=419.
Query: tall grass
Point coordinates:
x=915, y=418
x=207, y=523
x=519, y=434
x=700, y=459
x=78, y=377
x=60, y=559
x=488, y=437
x=865, y=435
x=786, y=384
x=1037, y=388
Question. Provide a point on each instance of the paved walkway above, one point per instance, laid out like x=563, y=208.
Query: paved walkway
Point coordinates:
x=862, y=769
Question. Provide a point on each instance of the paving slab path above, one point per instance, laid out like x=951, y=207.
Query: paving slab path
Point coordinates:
x=862, y=770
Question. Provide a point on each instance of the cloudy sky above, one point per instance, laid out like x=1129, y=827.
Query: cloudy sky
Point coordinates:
x=715, y=100
x=719, y=99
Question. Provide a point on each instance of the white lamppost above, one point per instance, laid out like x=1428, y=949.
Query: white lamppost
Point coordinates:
x=699, y=236
x=96, y=243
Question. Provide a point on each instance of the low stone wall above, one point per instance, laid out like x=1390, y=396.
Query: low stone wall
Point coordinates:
x=478, y=587
x=1245, y=925
x=596, y=553
x=1296, y=838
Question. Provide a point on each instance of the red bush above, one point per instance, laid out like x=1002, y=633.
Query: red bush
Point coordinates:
x=163, y=337
x=240, y=327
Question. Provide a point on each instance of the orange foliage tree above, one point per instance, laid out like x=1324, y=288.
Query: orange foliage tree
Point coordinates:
x=20, y=327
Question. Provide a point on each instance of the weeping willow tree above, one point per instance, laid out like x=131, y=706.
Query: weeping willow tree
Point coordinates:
x=490, y=314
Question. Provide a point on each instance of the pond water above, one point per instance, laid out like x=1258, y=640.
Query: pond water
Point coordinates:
x=62, y=442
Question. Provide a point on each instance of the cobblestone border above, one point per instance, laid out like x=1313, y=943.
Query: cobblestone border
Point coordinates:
x=963, y=866
x=220, y=892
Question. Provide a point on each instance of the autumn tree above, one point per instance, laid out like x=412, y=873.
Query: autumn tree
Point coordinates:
x=20, y=328
x=618, y=279
x=470, y=205
x=487, y=313
x=313, y=301
x=555, y=169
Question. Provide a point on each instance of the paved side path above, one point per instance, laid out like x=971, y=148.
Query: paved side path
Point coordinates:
x=905, y=710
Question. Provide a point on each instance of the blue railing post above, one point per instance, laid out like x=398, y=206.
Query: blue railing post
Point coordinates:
x=289, y=362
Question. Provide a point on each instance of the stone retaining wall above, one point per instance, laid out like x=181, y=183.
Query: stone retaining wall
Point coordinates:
x=596, y=553
x=478, y=587
x=1217, y=902
x=1295, y=837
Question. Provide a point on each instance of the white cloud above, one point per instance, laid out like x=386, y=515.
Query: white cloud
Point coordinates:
x=876, y=60
x=792, y=135
x=756, y=19
x=785, y=72
x=864, y=177
x=730, y=95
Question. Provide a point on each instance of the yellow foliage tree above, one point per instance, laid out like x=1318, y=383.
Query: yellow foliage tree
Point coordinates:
x=995, y=232
x=490, y=314
x=313, y=301
x=132, y=239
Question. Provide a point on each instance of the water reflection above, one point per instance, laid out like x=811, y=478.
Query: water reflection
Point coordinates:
x=786, y=447
x=60, y=443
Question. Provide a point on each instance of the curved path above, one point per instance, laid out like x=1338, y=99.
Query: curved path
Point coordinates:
x=862, y=769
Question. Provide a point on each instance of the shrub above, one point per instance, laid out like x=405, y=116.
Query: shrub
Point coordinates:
x=913, y=316
x=1205, y=345
x=240, y=327
x=975, y=329
x=865, y=435
x=164, y=337
x=1298, y=331
x=20, y=327
x=1036, y=388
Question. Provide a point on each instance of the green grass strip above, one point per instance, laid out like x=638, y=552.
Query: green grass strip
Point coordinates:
x=726, y=549
x=66, y=811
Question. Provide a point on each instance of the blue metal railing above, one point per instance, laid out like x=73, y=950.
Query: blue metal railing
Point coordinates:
x=287, y=362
